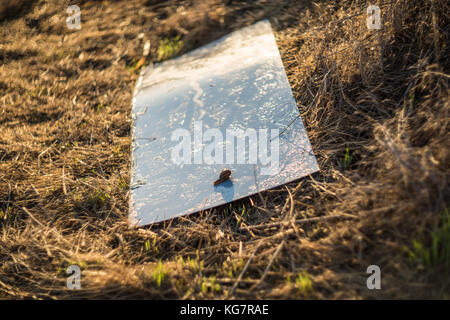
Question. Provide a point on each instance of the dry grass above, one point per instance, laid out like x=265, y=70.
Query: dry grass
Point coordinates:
x=376, y=106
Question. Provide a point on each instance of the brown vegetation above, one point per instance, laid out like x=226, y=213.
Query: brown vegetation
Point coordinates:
x=376, y=107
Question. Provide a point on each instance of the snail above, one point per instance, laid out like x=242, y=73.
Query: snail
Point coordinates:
x=224, y=176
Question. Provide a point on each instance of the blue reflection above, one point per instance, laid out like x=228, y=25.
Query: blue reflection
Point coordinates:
x=237, y=82
x=226, y=188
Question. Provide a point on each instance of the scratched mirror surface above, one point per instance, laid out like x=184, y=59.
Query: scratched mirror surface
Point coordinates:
x=226, y=105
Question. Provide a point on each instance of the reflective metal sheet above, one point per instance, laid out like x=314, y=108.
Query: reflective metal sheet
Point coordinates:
x=186, y=110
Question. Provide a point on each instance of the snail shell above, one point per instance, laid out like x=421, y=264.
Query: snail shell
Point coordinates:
x=224, y=176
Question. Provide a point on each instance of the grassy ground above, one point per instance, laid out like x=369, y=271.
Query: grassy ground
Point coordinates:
x=376, y=106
